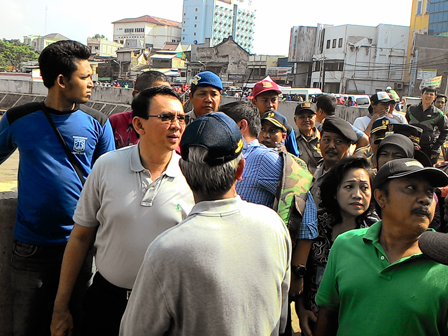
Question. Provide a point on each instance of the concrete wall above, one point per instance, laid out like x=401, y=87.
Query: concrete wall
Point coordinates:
x=8, y=203
x=287, y=109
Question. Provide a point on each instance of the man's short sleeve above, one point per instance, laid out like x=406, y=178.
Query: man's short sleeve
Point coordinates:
x=359, y=124
x=89, y=203
x=358, y=132
x=308, y=229
x=269, y=171
x=106, y=142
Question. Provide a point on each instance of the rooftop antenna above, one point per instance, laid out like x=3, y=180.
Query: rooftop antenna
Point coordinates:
x=46, y=11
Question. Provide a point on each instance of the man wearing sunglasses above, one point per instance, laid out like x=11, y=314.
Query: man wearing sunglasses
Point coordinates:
x=131, y=196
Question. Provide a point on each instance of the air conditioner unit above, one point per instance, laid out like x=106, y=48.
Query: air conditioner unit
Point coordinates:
x=398, y=86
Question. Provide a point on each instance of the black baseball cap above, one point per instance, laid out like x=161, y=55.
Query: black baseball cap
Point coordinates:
x=337, y=125
x=435, y=246
x=216, y=132
x=304, y=107
x=400, y=141
x=409, y=167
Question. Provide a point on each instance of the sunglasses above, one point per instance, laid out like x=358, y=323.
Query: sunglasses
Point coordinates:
x=168, y=118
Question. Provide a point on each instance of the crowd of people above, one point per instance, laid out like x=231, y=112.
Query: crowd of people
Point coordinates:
x=212, y=221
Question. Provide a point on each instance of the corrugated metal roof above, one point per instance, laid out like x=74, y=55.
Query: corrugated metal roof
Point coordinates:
x=150, y=19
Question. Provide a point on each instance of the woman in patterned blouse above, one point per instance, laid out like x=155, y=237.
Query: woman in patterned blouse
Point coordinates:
x=346, y=199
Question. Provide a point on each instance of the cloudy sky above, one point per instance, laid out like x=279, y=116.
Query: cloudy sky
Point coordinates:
x=82, y=18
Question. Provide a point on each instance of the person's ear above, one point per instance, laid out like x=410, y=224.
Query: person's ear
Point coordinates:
x=240, y=170
x=283, y=136
x=380, y=197
x=61, y=81
x=243, y=125
x=138, y=126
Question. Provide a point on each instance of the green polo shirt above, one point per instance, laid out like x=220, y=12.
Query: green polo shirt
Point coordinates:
x=375, y=297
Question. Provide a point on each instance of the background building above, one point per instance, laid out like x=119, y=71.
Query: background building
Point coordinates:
x=103, y=47
x=216, y=20
x=349, y=58
x=149, y=31
x=38, y=43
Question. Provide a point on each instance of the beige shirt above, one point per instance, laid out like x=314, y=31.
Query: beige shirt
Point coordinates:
x=130, y=210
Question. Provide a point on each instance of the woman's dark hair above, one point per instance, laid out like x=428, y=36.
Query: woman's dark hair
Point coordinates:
x=332, y=182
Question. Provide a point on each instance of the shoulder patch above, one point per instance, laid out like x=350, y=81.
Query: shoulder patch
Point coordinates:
x=18, y=112
x=99, y=116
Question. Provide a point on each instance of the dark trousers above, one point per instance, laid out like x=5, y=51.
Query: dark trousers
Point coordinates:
x=104, y=305
x=35, y=278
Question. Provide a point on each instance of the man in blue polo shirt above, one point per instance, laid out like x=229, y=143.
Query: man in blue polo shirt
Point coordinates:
x=377, y=281
x=49, y=186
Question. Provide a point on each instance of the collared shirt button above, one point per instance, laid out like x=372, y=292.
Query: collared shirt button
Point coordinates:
x=382, y=257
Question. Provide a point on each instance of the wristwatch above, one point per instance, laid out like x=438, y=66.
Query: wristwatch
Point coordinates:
x=299, y=270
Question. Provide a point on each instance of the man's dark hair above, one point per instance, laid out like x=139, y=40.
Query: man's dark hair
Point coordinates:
x=332, y=181
x=327, y=103
x=439, y=95
x=142, y=102
x=60, y=58
x=242, y=110
x=429, y=89
x=146, y=80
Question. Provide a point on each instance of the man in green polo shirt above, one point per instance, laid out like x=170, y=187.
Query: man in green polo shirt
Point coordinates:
x=377, y=281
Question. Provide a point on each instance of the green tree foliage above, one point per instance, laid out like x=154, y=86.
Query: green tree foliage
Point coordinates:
x=13, y=53
x=98, y=36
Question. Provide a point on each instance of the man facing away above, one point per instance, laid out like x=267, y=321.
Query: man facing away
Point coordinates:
x=131, y=196
x=205, y=94
x=274, y=179
x=124, y=132
x=225, y=269
x=49, y=186
x=377, y=281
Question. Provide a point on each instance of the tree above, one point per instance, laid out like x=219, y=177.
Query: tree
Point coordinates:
x=13, y=53
x=98, y=36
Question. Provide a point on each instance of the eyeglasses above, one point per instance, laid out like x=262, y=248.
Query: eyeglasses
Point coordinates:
x=168, y=118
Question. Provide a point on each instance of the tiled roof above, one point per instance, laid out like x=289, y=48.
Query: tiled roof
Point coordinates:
x=150, y=19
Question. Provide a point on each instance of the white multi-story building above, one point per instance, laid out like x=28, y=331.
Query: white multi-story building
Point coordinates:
x=218, y=19
x=359, y=59
x=147, y=30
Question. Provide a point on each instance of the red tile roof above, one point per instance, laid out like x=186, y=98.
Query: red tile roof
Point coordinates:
x=151, y=19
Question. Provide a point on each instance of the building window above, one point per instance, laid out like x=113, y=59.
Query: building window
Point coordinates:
x=419, y=7
x=194, y=34
x=328, y=44
x=195, y=26
x=196, y=10
x=334, y=43
x=195, y=17
x=340, y=43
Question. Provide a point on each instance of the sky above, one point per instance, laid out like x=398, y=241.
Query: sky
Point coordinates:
x=80, y=19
